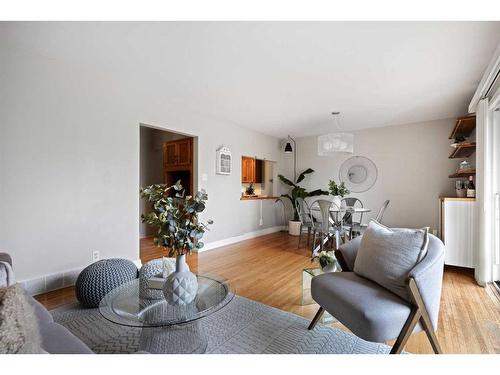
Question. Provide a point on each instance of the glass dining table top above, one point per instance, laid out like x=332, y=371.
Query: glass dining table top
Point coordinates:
x=125, y=306
x=351, y=209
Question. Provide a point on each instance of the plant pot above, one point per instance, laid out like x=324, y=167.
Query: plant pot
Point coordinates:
x=182, y=285
x=294, y=228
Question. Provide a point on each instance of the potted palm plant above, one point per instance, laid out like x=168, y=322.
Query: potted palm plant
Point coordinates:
x=179, y=232
x=298, y=192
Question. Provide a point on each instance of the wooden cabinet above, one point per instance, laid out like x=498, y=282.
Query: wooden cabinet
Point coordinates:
x=459, y=230
x=178, y=153
x=178, y=163
x=247, y=169
x=252, y=170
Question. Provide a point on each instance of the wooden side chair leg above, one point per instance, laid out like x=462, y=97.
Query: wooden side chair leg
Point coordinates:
x=407, y=330
x=425, y=319
x=316, y=318
x=300, y=236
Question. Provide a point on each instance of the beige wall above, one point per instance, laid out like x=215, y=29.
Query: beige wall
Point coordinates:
x=413, y=168
x=69, y=164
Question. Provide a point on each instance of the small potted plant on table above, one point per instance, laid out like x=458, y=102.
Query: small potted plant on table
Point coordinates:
x=338, y=191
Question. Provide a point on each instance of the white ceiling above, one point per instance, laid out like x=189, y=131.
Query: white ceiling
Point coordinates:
x=283, y=77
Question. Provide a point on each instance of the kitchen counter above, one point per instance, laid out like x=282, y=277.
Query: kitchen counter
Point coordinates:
x=457, y=199
x=255, y=197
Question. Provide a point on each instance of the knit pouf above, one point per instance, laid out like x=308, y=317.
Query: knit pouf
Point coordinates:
x=96, y=280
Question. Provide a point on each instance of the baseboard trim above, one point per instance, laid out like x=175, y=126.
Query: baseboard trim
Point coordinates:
x=246, y=236
x=64, y=279
x=55, y=281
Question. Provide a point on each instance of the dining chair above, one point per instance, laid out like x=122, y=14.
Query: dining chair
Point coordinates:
x=305, y=219
x=359, y=229
x=320, y=213
x=352, y=218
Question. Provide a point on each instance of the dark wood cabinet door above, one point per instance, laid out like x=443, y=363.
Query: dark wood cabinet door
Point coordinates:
x=258, y=171
x=170, y=154
x=184, y=152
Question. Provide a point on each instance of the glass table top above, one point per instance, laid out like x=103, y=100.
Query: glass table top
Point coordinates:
x=124, y=305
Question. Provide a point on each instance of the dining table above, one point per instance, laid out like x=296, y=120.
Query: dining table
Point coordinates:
x=334, y=220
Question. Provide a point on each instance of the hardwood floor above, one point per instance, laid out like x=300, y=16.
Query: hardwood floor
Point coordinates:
x=268, y=269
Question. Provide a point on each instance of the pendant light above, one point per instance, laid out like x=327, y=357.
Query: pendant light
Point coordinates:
x=329, y=144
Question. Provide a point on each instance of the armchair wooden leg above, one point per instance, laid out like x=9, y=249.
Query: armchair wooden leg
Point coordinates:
x=418, y=313
x=425, y=320
x=316, y=318
x=406, y=332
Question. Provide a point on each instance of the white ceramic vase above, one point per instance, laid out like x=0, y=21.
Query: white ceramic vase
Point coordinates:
x=181, y=286
x=294, y=228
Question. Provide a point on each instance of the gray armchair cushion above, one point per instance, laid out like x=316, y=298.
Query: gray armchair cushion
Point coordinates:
x=41, y=313
x=349, y=250
x=386, y=256
x=58, y=340
x=369, y=311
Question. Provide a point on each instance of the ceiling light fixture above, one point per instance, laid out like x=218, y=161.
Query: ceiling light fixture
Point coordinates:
x=329, y=144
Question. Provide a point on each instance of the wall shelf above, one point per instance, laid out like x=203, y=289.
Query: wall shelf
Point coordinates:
x=463, y=173
x=463, y=127
x=463, y=150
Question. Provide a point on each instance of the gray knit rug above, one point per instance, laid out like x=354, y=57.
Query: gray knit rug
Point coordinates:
x=243, y=326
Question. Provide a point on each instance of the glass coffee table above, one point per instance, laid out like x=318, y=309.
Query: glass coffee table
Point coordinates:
x=167, y=328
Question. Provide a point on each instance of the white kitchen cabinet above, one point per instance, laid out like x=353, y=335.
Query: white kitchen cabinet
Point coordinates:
x=459, y=230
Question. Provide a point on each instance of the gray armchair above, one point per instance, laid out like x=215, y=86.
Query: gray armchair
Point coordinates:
x=373, y=312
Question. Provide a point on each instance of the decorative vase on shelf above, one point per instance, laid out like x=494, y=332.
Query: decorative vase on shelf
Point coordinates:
x=181, y=286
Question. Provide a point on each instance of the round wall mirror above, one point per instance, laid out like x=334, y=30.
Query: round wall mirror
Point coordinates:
x=358, y=174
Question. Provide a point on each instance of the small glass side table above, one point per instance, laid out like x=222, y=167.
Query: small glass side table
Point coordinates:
x=307, y=275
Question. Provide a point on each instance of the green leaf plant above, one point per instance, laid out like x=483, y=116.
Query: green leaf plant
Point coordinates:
x=298, y=191
x=176, y=217
x=337, y=189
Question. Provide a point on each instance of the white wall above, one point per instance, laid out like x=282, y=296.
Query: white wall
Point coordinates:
x=413, y=168
x=69, y=163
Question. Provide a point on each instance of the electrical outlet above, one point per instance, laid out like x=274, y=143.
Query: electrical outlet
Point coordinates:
x=95, y=256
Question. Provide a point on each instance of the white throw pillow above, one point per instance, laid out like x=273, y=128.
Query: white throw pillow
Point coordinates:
x=387, y=255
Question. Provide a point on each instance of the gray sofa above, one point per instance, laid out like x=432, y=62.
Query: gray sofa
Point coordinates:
x=55, y=338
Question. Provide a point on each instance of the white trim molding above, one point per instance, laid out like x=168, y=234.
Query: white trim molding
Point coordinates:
x=488, y=79
x=58, y=280
x=242, y=237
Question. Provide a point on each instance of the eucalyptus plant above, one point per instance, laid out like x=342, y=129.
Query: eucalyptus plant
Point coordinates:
x=298, y=191
x=337, y=189
x=176, y=217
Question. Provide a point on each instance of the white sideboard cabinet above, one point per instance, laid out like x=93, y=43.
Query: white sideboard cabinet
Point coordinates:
x=459, y=230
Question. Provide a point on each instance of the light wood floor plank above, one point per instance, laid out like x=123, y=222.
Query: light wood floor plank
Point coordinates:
x=268, y=269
